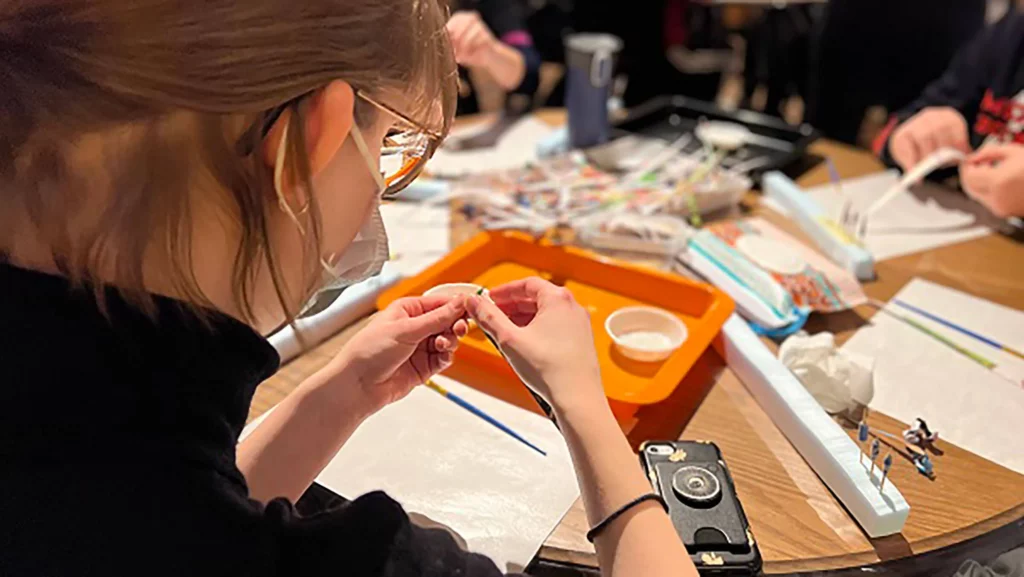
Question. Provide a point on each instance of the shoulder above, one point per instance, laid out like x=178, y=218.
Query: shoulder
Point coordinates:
x=1009, y=28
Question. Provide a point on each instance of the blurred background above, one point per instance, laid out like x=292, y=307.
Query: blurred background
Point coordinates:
x=841, y=65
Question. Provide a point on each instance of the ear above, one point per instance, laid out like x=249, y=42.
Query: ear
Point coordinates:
x=330, y=113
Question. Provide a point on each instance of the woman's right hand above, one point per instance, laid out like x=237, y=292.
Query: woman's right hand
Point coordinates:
x=546, y=337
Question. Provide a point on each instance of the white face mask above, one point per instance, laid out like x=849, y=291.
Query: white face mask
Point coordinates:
x=365, y=255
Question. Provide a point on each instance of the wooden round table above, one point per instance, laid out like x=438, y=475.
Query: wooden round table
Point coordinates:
x=973, y=506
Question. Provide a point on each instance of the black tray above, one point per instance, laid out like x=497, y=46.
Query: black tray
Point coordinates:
x=669, y=117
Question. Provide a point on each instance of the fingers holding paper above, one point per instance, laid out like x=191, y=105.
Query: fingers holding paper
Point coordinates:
x=927, y=131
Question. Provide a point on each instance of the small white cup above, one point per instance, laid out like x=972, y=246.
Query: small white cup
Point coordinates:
x=645, y=334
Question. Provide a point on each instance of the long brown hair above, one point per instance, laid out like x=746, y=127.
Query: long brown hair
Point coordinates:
x=178, y=83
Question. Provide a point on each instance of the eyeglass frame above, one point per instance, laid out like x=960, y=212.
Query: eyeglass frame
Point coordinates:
x=246, y=142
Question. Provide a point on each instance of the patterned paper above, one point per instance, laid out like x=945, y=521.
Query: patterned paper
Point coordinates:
x=823, y=286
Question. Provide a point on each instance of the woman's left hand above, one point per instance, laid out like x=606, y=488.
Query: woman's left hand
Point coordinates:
x=404, y=345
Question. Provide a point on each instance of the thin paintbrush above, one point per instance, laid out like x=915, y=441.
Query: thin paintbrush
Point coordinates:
x=478, y=412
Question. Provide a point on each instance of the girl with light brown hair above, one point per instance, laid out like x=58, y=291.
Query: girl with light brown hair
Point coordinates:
x=178, y=179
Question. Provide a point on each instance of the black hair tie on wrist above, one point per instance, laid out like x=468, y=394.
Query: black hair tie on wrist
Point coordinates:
x=593, y=533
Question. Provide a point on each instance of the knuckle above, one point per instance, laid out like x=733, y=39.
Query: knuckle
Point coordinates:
x=536, y=281
x=399, y=303
x=485, y=315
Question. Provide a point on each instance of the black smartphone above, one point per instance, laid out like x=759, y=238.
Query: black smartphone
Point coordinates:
x=692, y=478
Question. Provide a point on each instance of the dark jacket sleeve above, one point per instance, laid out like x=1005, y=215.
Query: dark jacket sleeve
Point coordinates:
x=962, y=86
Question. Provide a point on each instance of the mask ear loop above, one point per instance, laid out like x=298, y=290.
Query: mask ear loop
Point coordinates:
x=357, y=137
x=282, y=202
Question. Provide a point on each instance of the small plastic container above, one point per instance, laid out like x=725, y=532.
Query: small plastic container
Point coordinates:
x=645, y=334
x=454, y=289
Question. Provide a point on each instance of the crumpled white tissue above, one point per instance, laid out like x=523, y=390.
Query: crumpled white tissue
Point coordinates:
x=839, y=382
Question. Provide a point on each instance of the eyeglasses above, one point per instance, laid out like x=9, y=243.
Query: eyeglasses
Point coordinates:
x=406, y=150
x=404, y=154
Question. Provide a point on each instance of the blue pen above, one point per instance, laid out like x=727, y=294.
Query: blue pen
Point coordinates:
x=472, y=409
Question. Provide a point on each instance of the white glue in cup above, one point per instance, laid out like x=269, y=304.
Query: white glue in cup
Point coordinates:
x=455, y=289
x=723, y=135
x=645, y=334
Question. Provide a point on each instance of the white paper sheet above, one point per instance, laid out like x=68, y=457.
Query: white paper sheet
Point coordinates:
x=418, y=235
x=441, y=462
x=917, y=376
x=516, y=148
x=929, y=216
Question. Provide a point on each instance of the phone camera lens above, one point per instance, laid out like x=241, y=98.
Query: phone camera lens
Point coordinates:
x=696, y=485
x=660, y=449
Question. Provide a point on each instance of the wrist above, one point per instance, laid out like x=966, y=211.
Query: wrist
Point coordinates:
x=339, y=385
x=584, y=401
x=505, y=63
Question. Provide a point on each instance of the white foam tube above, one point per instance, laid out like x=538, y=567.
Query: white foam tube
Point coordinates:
x=353, y=304
x=822, y=443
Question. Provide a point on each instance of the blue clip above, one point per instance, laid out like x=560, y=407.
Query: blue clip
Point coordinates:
x=782, y=332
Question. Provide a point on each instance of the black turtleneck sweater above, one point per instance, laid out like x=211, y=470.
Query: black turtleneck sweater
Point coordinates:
x=117, y=453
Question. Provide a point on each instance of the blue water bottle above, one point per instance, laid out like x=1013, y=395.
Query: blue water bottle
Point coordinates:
x=589, y=60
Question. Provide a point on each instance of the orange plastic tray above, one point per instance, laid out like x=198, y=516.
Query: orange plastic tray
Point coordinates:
x=601, y=285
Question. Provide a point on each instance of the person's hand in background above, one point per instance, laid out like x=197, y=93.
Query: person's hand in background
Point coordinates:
x=471, y=38
x=994, y=176
x=476, y=47
x=547, y=338
x=927, y=131
x=410, y=341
